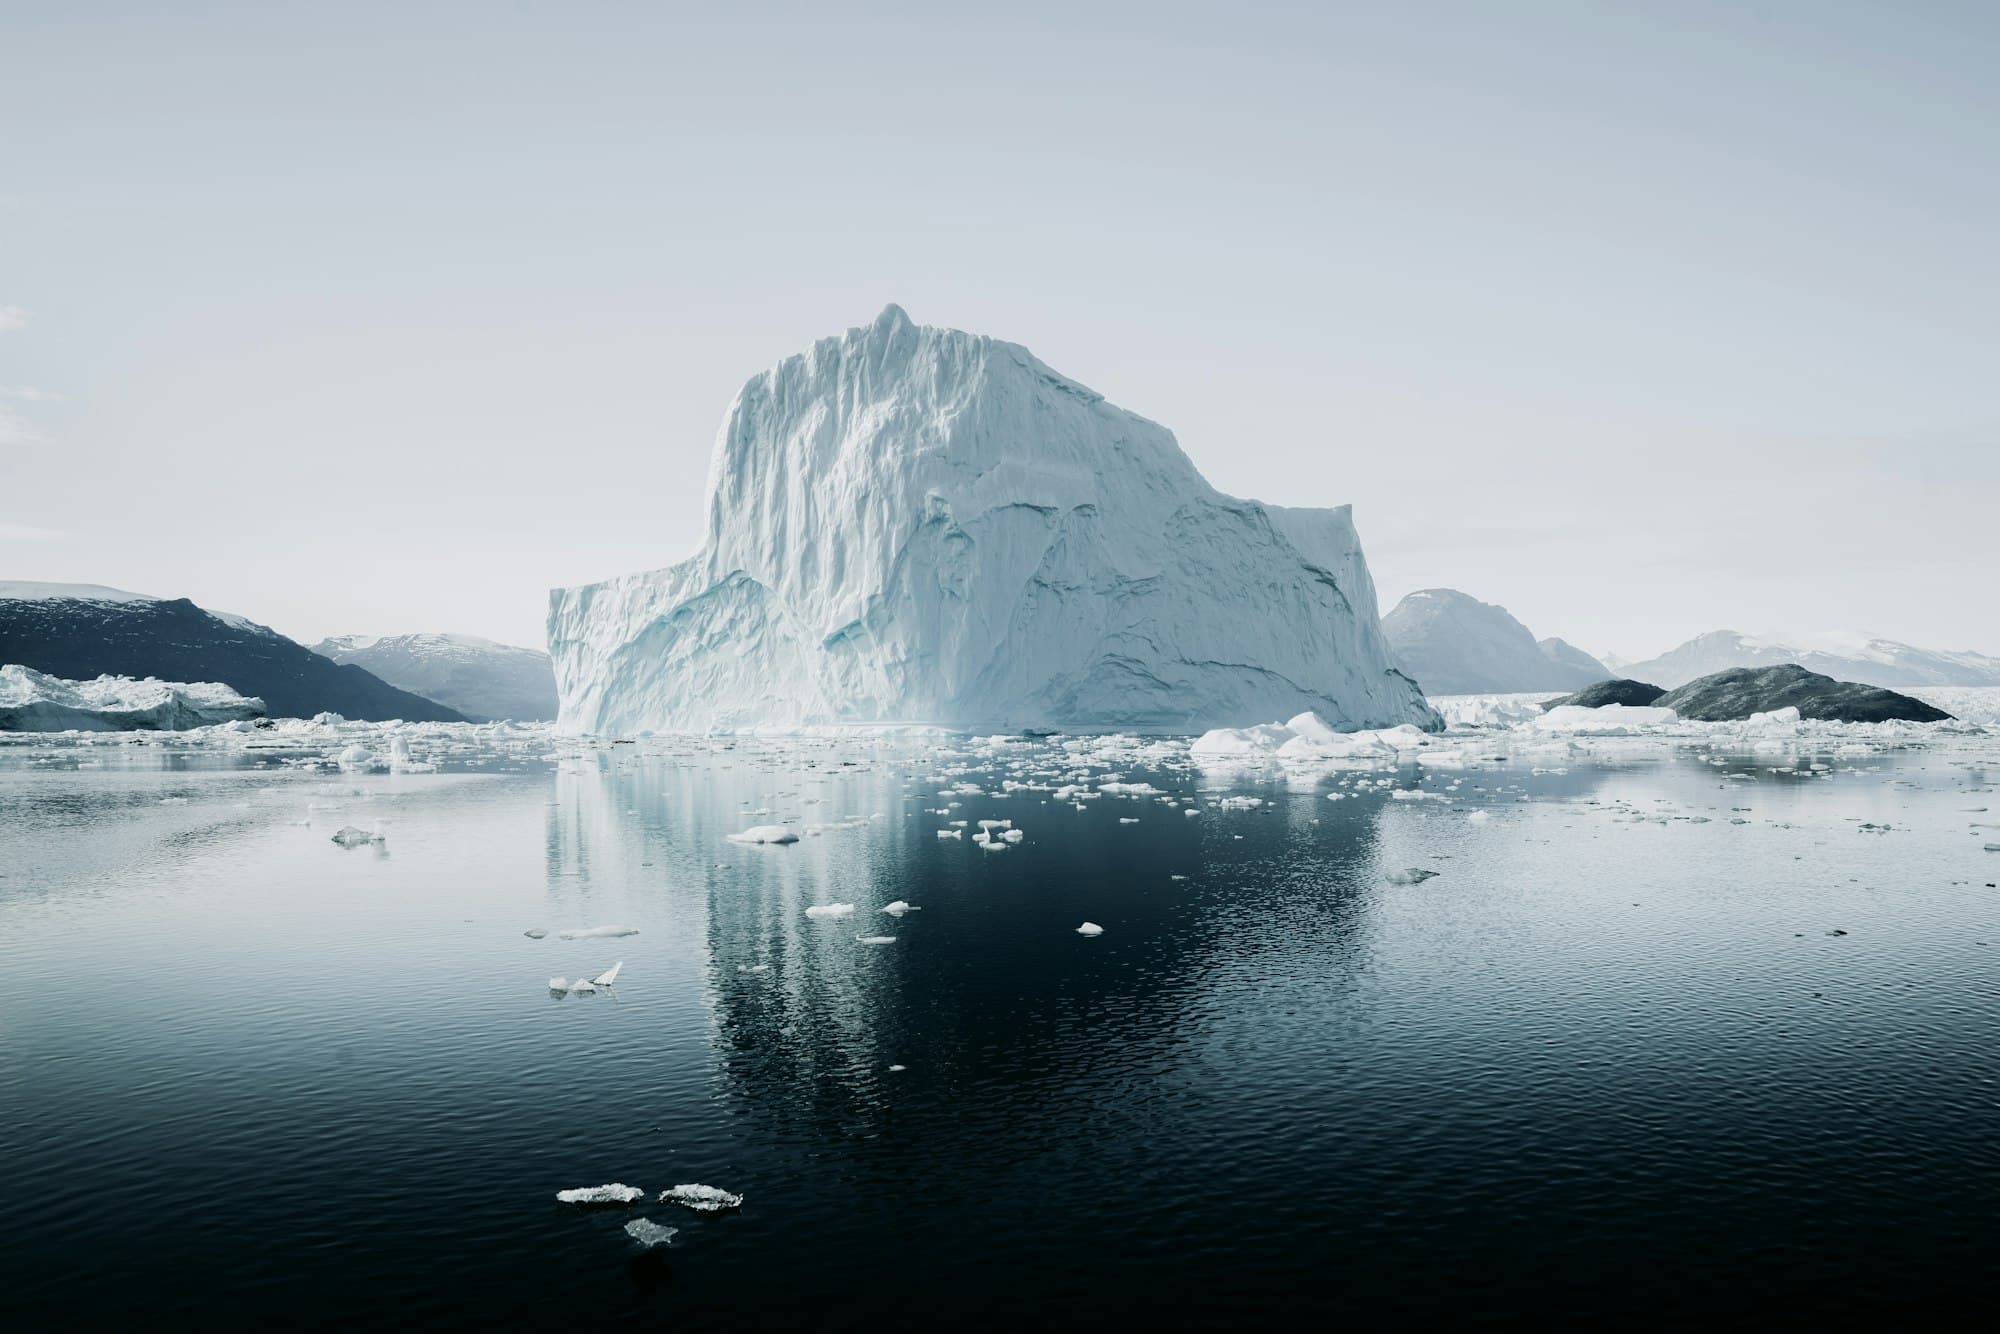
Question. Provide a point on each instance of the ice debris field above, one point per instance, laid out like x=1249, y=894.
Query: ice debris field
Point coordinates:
x=987, y=798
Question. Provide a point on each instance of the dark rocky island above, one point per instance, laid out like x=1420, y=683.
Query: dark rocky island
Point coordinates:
x=1736, y=694
x=1632, y=694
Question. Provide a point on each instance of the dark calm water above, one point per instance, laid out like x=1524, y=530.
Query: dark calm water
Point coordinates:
x=1608, y=1065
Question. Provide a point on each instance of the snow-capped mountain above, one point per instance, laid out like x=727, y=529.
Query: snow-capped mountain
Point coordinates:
x=1845, y=656
x=1454, y=644
x=909, y=524
x=479, y=678
x=81, y=631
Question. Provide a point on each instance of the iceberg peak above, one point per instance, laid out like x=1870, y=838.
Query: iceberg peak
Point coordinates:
x=910, y=524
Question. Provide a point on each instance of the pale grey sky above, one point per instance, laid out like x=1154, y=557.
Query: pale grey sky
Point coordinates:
x=1640, y=320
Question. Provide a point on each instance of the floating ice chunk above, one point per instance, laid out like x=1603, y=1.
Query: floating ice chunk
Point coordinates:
x=1090, y=929
x=1012, y=835
x=951, y=833
x=895, y=1068
x=1610, y=720
x=1241, y=742
x=1480, y=817
x=830, y=910
x=535, y=933
x=358, y=759
x=583, y=987
x=648, y=1233
x=899, y=907
x=1413, y=875
x=702, y=1199
x=614, y=1193
x=608, y=976
x=596, y=932
x=876, y=940
x=991, y=825
x=559, y=985
x=350, y=837
x=765, y=833
x=327, y=720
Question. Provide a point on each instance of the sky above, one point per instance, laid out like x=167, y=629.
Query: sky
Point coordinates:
x=1640, y=320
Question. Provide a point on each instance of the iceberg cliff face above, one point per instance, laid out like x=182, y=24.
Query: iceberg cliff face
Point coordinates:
x=917, y=525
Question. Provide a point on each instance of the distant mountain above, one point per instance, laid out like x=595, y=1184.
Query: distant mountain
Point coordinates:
x=1567, y=655
x=82, y=631
x=1845, y=657
x=1457, y=645
x=481, y=679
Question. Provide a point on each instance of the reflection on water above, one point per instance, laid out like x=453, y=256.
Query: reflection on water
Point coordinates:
x=1611, y=1043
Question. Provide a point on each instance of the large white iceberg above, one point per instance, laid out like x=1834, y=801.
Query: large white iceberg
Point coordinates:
x=918, y=525
x=32, y=701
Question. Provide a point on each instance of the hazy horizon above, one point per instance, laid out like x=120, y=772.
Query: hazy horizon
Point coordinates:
x=381, y=320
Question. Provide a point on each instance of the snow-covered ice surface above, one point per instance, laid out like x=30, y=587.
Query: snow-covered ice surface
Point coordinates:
x=912, y=525
x=32, y=701
x=1617, y=954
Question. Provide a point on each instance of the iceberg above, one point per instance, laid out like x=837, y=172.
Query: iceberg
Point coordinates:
x=596, y=932
x=611, y=1194
x=702, y=1199
x=649, y=1234
x=909, y=525
x=765, y=833
x=32, y=701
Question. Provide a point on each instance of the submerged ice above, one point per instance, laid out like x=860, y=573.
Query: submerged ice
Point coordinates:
x=918, y=525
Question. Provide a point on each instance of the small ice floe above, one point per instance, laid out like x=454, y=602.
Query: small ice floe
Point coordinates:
x=648, y=1233
x=1012, y=835
x=876, y=940
x=536, y=933
x=559, y=986
x=991, y=825
x=596, y=932
x=897, y=1069
x=830, y=910
x=350, y=837
x=701, y=1199
x=951, y=833
x=615, y=1193
x=765, y=833
x=753, y=967
x=1090, y=929
x=327, y=720
x=1411, y=875
x=1128, y=819
x=583, y=987
x=608, y=976
x=899, y=907
x=1478, y=817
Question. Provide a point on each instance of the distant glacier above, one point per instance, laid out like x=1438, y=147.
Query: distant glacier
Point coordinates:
x=922, y=526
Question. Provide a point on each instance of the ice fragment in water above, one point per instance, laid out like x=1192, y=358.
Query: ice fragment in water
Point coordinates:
x=765, y=833
x=596, y=932
x=1413, y=875
x=876, y=940
x=702, y=1199
x=350, y=837
x=608, y=976
x=648, y=1233
x=535, y=933
x=611, y=1194
x=899, y=907
x=1090, y=929
x=950, y=833
x=559, y=985
x=830, y=910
